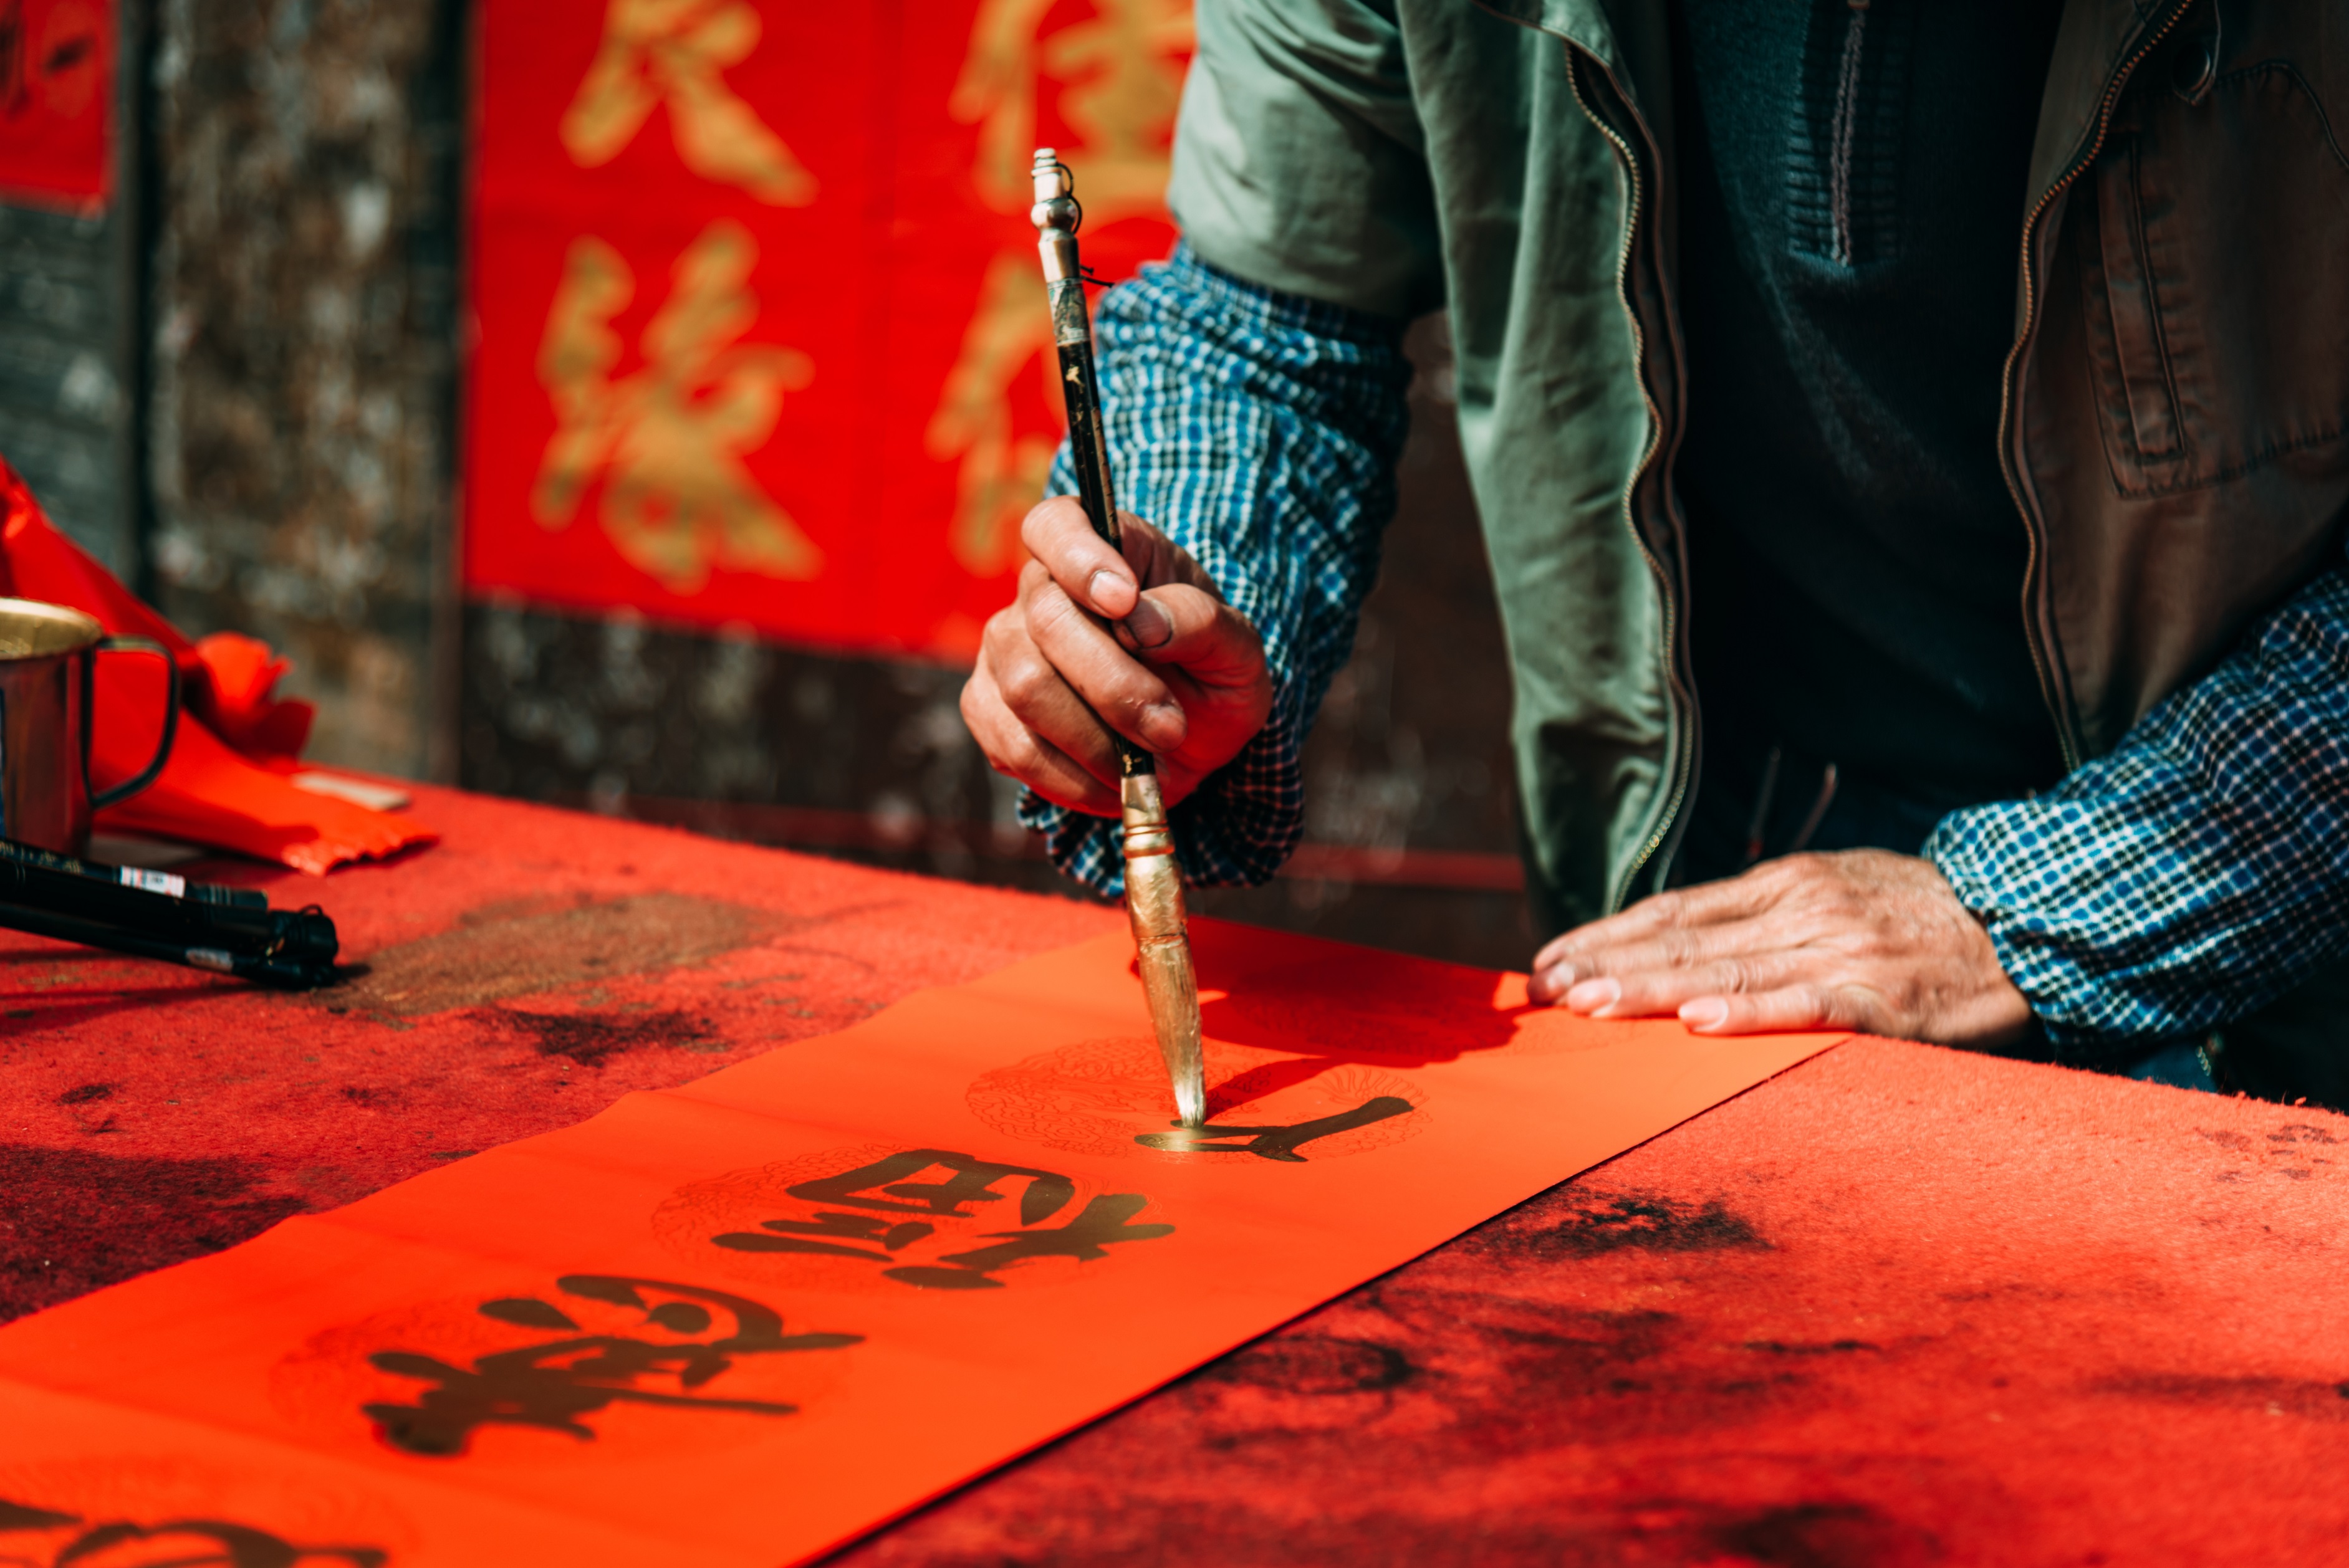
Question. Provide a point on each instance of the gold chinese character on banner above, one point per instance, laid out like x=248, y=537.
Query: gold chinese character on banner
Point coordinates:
x=671, y=52
x=667, y=440
x=1118, y=79
x=1002, y=473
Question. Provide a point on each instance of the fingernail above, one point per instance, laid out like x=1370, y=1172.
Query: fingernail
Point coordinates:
x=1149, y=627
x=1704, y=1012
x=1105, y=581
x=1592, y=994
x=1162, y=727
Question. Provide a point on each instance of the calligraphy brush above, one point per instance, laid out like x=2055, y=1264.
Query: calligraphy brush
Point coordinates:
x=1154, y=883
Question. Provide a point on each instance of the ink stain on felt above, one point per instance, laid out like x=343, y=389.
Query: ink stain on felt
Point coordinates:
x=590, y=1039
x=94, y=1119
x=1313, y=1365
x=1597, y=1223
x=1568, y=1527
x=1829, y=1534
x=529, y=946
x=78, y=1220
x=2309, y=1398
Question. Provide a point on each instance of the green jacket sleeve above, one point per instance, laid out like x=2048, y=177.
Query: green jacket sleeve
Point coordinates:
x=1298, y=159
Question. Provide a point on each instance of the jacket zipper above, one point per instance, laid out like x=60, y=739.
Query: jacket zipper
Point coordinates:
x=2010, y=463
x=1683, y=711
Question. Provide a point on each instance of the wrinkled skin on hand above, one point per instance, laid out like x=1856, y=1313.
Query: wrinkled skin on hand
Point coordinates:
x=1180, y=673
x=1863, y=940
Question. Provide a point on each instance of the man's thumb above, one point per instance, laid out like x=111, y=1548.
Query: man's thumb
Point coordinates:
x=1148, y=629
x=1178, y=624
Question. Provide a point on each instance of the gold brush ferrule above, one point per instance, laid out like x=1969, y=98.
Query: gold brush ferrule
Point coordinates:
x=1161, y=937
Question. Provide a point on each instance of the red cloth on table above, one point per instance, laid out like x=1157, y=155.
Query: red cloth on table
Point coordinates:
x=223, y=785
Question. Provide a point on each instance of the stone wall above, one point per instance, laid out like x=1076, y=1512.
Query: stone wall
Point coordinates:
x=65, y=373
x=736, y=737
x=303, y=284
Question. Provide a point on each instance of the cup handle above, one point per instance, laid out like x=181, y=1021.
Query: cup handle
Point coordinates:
x=100, y=799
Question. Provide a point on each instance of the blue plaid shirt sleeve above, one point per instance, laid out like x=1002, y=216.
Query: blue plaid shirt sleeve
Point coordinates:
x=1259, y=432
x=2198, y=871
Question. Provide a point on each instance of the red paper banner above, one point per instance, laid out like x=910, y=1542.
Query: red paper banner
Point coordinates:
x=762, y=334
x=56, y=101
x=736, y=1322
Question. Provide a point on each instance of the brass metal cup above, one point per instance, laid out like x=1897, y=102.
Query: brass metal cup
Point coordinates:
x=48, y=661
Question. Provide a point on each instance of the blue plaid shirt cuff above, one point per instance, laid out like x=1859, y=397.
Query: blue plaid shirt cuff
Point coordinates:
x=1260, y=432
x=1234, y=831
x=2195, y=873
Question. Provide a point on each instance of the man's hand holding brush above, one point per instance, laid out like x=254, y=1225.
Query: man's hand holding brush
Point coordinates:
x=1182, y=674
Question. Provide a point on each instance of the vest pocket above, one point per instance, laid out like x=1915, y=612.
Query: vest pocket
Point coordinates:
x=2209, y=239
x=2140, y=400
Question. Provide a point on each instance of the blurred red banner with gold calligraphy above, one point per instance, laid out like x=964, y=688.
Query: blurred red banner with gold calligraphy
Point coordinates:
x=763, y=337
x=57, y=102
